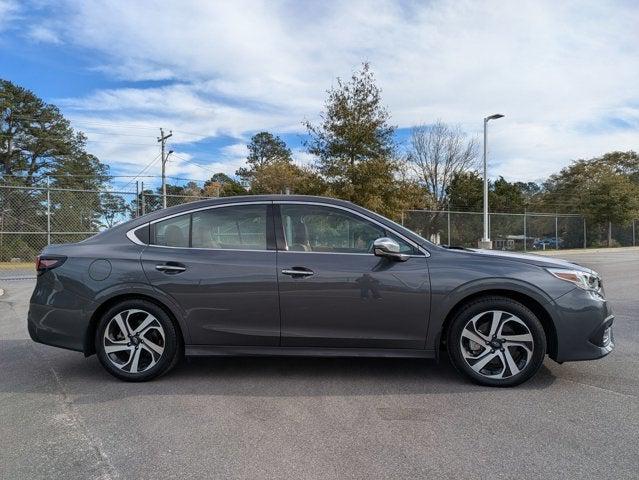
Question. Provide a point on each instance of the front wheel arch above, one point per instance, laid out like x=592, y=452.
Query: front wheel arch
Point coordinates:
x=537, y=308
x=89, y=345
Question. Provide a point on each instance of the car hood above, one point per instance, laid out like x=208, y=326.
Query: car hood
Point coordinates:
x=532, y=259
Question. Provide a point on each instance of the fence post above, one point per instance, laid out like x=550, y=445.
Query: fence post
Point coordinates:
x=556, y=232
x=525, y=233
x=402, y=217
x=634, y=243
x=142, y=198
x=449, y=242
x=489, y=225
x=609, y=234
x=137, y=198
x=585, y=236
x=48, y=210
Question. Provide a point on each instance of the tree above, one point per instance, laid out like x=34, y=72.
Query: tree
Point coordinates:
x=264, y=149
x=191, y=189
x=506, y=197
x=438, y=153
x=604, y=189
x=281, y=176
x=624, y=163
x=465, y=192
x=354, y=128
x=35, y=139
x=221, y=185
x=529, y=190
x=148, y=200
x=112, y=208
x=355, y=149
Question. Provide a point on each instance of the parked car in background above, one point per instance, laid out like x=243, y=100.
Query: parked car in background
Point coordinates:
x=547, y=243
x=296, y=275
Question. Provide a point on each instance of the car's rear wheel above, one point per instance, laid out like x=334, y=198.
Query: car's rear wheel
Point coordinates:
x=496, y=341
x=137, y=341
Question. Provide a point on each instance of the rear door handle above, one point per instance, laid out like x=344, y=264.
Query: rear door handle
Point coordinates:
x=170, y=268
x=298, y=271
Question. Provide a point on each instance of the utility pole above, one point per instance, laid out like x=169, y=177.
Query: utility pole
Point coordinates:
x=48, y=210
x=162, y=139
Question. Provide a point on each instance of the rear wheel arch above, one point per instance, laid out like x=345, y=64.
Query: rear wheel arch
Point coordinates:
x=528, y=301
x=89, y=346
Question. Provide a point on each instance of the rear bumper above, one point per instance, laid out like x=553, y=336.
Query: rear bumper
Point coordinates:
x=58, y=316
x=57, y=327
x=584, y=326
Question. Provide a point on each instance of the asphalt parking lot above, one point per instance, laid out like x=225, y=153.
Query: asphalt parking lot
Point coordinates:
x=62, y=416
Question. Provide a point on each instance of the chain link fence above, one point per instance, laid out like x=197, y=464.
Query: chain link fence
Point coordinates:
x=519, y=231
x=33, y=217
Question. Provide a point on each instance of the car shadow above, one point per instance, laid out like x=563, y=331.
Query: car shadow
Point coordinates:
x=35, y=367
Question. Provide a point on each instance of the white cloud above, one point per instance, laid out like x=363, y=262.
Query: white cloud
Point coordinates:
x=42, y=34
x=230, y=159
x=8, y=13
x=558, y=70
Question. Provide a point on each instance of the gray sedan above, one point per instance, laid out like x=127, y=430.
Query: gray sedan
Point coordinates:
x=297, y=275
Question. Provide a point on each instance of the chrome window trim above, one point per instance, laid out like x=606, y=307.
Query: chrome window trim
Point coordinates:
x=344, y=253
x=425, y=252
x=213, y=249
x=209, y=207
x=131, y=233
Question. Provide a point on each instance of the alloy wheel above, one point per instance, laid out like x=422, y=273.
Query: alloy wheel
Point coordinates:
x=496, y=344
x=134, y=341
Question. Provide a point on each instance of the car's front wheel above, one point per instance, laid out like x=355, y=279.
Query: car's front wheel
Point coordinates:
x=496, y=341
x=137, y=341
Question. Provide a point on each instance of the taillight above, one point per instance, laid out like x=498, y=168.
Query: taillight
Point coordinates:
x=48, y=262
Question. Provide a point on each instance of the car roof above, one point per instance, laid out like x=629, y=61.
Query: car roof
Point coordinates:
x=242, y=199
x=119, y=230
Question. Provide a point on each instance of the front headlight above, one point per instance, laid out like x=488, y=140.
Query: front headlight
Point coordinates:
x=584, y=280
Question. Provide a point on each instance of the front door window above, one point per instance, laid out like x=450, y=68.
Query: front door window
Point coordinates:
x=315, y=228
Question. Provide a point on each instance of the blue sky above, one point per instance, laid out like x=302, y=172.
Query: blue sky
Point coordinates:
x=564, y=73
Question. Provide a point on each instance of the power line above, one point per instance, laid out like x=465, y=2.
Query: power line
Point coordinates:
x=118, y=143
x=194, y=163
x=89, y=132
x=142, y=171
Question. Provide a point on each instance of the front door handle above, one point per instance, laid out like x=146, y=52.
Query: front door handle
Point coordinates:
x=167, y=268
x=298, y=272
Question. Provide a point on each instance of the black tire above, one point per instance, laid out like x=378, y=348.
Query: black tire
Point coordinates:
x=171, y=342
x=458, y=346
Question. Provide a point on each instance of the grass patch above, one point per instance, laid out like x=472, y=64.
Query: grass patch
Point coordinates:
x=17, y=266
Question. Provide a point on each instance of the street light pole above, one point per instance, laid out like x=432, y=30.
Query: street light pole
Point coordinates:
x=485, y=241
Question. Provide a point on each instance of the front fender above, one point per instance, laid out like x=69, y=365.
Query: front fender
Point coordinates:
x=443, y=303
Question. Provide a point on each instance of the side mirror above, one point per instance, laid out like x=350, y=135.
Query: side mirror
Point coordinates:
x=389, y=248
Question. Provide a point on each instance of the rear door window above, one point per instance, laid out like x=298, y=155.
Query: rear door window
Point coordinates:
x=173, y=232
x=241, y=227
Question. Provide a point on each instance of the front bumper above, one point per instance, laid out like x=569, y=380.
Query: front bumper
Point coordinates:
x=583, y=326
